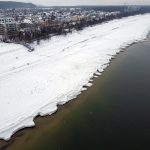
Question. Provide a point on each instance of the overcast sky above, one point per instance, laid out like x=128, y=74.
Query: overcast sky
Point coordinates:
x=86, y=2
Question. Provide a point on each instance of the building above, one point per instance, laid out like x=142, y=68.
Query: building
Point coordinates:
x=27, y=25
x=8, y=27
x=2, y=32
x=2, y=29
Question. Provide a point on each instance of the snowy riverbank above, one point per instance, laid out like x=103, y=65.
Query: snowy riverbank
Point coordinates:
x=35, y=83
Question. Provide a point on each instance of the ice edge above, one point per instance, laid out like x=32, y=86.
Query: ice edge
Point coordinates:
x=50, y=108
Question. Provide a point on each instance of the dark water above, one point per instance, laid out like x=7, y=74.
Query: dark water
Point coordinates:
x=114, y=114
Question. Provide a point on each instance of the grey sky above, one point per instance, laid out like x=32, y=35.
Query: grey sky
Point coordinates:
x=86, y=2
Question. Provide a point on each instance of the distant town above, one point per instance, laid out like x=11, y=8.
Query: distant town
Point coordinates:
x=25, y=25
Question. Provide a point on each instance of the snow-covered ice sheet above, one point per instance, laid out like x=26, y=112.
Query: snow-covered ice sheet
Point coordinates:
x=36, y=83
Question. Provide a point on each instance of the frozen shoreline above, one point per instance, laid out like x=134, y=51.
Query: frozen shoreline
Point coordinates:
x=35, y=83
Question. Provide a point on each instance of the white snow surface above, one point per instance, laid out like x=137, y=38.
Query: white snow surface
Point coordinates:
x=36, y=83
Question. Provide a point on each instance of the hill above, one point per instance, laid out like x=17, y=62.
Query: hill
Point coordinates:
x=10, y=4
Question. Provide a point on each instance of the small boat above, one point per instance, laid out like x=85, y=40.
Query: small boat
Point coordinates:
x=30, y=48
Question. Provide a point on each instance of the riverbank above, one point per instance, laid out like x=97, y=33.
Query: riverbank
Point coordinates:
x=113, y=113
x=63, y=72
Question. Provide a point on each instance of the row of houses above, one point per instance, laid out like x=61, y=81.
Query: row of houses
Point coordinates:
x=53, y=22
x=26, y=25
